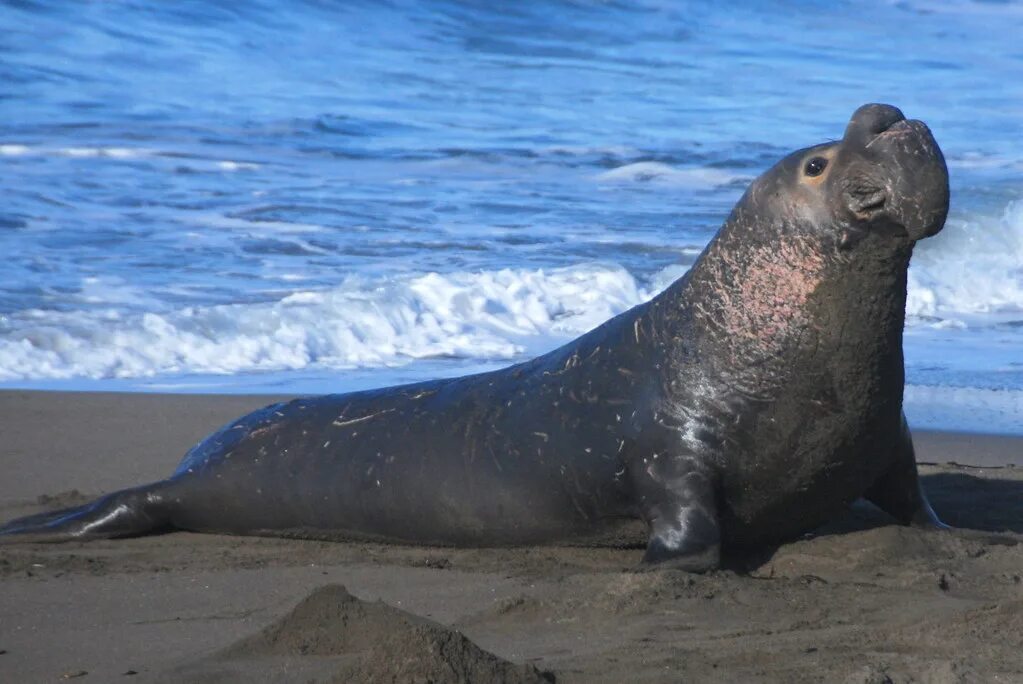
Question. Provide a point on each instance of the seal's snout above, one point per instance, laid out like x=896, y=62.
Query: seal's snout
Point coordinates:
x=902, y=183
x=870, y=120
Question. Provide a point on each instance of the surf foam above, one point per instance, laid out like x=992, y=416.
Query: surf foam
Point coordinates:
x=490, y=315
x=974, y=266
x=658, y=172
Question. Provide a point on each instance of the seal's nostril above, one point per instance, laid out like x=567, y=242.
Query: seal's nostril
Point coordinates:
x=873, y=119
x=884, y=119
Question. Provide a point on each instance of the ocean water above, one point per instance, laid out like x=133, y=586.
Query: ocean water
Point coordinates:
x=326, y=196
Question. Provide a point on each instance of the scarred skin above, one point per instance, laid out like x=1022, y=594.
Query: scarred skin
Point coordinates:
x=750, y=402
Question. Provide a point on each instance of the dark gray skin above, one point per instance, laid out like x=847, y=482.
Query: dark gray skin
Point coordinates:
x=750, y=402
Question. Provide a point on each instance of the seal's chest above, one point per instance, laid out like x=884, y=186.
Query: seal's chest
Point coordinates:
x=803, y=463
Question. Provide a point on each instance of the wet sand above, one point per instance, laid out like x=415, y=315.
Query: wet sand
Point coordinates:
x=859, y=601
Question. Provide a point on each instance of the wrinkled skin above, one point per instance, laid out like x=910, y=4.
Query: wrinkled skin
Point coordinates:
x=751, y=401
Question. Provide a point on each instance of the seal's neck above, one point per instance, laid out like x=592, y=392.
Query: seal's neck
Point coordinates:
x=764, y=302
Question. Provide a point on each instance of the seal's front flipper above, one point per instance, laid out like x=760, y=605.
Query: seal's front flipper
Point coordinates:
x=898, y=491
x=684, y=529
x=127, y=513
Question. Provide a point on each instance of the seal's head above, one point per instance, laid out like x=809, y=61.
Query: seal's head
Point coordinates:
x=813, y=261
x=885, y=180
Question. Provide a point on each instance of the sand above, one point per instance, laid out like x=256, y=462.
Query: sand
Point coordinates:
x=861, y=600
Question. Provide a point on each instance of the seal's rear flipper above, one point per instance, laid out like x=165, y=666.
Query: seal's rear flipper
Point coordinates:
x=127, y=513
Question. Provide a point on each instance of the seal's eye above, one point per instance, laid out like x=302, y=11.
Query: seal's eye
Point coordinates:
x=815, y=166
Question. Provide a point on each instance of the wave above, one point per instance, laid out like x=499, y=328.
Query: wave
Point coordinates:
x=971, y=271
x=974, y=266
x=659, y=172
x=180, y=161
x=17, y=150
x=493, y=315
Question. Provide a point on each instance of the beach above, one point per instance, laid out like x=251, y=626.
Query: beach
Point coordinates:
x=861, y=600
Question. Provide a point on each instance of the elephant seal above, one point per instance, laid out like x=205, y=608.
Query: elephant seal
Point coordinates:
x=751, y=401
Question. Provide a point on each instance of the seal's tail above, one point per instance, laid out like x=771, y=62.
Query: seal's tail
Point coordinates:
x=127, y=513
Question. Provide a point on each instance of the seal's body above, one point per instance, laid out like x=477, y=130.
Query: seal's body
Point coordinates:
x=751, y=401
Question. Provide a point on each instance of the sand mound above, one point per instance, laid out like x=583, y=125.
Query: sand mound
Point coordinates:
x=333, y=636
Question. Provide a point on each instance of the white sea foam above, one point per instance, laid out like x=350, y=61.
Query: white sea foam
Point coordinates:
x=237, y=166
x=125, y=153
x=14, y=150
x=489, y=315
x=669, y=274
x=659, y=172
x=589, y=150
x=974, y=266
x=260, y=228
x=114, y=152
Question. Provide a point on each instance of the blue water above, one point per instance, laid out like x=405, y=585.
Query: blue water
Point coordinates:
x=310, y=196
